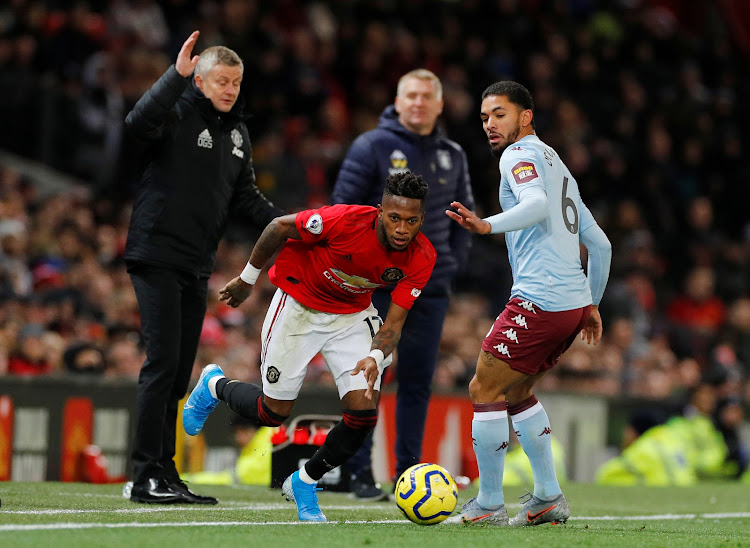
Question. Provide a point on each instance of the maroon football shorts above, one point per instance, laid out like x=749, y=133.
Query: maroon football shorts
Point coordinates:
x=531, y=340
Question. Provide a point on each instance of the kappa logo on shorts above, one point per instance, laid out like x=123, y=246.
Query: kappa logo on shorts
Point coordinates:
x=528, y=306
x=523, y=172
x=273, y=374
x=520, y=320
x=511, y=334
x=502, y=349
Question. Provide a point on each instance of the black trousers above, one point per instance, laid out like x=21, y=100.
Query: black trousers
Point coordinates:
x=172, y=306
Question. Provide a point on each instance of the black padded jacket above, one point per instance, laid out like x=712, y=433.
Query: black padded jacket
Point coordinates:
x=198, y=168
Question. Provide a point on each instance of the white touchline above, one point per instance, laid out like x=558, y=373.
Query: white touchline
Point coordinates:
x=53, y=526
x=152, y=510
x=68, y=525
x=656, y=517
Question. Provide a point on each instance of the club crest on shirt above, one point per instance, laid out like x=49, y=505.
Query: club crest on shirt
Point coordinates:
x=444, y=159
x=314, y=224
x=523, y=172
x=392, y=275
x=236, y=137
x=399, y=163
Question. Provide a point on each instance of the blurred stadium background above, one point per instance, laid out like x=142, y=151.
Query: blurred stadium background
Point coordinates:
x=642, y=98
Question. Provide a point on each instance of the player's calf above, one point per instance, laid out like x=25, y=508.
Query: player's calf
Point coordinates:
x=342, y=441
x=247, y=400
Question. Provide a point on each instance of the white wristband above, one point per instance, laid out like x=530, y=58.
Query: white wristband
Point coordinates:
x=250, y=274
x=378, y=356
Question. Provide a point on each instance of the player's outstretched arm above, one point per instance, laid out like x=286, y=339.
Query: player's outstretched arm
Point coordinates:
x=468, y=219
x=384, y=342
x=273, y=237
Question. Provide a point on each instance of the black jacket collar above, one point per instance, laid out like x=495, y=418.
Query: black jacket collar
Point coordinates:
x=195, y=97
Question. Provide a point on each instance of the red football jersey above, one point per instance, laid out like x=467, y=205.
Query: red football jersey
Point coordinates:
x=339, y=261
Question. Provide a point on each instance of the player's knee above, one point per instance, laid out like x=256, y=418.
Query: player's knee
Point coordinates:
x=478, y=391
x=483, y=392
x=475, y=389
x=519, y=393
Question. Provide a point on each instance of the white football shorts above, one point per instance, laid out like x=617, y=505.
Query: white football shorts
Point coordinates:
x=293, y=334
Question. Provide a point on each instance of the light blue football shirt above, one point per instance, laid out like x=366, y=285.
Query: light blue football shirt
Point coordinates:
x=545, y=258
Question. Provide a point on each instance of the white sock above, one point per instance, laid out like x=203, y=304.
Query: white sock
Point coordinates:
x=305, y=477
x=490, y=433
x=212, y=385
x=533, y=430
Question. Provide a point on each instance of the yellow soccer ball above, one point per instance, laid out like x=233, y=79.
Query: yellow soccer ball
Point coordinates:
x=426, y=493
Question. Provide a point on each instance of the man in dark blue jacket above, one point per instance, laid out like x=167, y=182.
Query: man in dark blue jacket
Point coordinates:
x=198, y=169
x=407, y=139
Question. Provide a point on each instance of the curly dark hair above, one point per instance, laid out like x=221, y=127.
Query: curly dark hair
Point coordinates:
x=406, y=184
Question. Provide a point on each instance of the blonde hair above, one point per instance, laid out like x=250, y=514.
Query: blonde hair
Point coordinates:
x=217, y=55
x=421, y=74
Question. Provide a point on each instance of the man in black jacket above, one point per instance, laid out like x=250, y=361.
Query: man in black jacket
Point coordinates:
x=408, y=139
x=199, y=168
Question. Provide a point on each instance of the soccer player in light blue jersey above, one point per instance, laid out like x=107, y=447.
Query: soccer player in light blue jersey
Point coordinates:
x=551, y=301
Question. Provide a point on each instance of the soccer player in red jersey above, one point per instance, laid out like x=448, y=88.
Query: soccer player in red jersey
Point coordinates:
x=331, y=260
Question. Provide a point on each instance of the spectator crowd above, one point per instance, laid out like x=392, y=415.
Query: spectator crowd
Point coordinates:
x=643, y=100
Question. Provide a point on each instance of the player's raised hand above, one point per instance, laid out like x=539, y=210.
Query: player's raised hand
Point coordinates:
x=370, y=368
x=185, y=64
x=468, y=219
x=235, y=292
x=594, y=328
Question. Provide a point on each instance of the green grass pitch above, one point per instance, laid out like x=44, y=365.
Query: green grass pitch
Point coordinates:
x=82, y=515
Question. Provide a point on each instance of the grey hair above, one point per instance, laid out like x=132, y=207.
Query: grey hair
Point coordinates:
x=217, y=55
x=422, y=74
